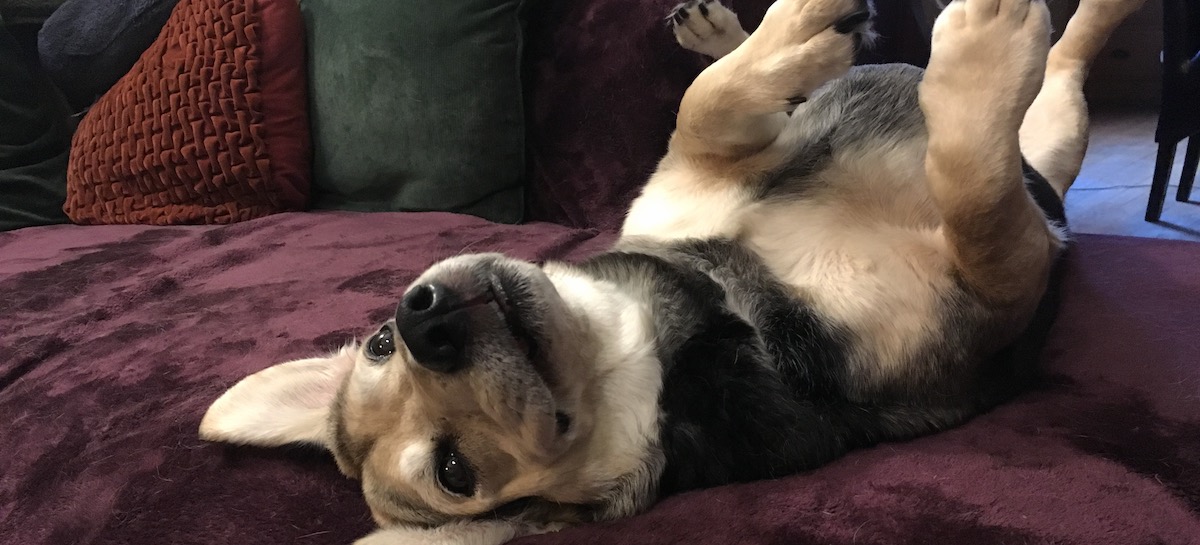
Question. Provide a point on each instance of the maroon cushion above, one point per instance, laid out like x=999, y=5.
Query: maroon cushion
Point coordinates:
x=284, y=84
x=115, y=339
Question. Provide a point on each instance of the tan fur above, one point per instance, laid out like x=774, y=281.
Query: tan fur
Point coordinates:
x=876, y=255
x=792, y=53
x=1055, y=129
x=381, y=420
x=988, y=53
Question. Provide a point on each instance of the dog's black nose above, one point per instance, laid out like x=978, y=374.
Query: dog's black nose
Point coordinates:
x=435, y=327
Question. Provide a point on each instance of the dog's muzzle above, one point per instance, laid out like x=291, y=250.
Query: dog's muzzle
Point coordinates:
x=441, y=318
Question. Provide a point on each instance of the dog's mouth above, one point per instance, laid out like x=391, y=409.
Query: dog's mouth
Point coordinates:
x=498, y=297
x=512, y=306
x=513, y=312
x=493, y=320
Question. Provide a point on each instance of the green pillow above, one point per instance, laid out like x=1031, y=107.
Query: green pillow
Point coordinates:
x=417, y=105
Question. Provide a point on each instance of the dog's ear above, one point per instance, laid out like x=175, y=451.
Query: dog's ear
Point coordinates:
x=282, y=404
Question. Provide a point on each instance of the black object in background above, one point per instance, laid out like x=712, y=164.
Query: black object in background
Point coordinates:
x=35, y=136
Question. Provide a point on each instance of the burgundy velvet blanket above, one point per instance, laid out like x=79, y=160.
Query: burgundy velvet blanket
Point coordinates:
x=114, y=340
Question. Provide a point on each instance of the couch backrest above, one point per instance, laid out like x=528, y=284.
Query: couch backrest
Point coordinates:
x=604, y=80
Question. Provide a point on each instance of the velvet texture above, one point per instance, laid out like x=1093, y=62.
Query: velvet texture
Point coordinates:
x=117, y=338
x=417, y=108
x=191, y=133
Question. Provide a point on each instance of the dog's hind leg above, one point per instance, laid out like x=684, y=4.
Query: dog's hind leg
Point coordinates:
x=739, y=104
x=1054, y=134
x=987, y=63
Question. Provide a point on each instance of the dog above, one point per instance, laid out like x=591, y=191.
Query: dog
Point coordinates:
x=826, y=258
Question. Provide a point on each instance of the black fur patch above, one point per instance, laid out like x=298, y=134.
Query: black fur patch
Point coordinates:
x=1043, y=194
x=755, y=381
x=747, y=397
x=730, y=413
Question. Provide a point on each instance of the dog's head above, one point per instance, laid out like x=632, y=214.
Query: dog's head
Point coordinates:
x=497, y=391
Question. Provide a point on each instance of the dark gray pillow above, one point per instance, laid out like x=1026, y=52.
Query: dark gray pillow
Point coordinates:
x=87, y=45
x=417, y=106
x=35, y=136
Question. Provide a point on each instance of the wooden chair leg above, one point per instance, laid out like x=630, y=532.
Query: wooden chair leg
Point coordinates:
x=1162, y=176
x=1190, y=160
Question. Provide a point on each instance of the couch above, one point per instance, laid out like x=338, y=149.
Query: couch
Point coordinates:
x=115, y=339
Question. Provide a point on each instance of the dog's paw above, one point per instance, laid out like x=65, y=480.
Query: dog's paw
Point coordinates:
x=989, y=53
x=455, y=533
x=803, y=44
x=706, y=27
x=801, y=21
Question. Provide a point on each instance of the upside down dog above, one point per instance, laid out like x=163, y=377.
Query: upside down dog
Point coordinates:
x=826, y=258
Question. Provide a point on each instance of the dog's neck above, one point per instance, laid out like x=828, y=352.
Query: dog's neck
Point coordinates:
x=613, y=333
x=702, y=348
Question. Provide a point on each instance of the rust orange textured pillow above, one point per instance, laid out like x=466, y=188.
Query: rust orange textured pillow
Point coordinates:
x=210, y=125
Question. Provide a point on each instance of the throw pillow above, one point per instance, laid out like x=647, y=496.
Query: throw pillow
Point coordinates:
x=209, y=126
x=416, y=107
x=87, y=45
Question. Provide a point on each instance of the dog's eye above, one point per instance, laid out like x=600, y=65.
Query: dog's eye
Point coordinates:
x=454, y=473
x=381, y=345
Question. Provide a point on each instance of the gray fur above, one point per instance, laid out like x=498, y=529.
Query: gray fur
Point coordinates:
x=871, y=107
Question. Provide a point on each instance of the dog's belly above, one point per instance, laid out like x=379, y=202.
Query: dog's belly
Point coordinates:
x=845, y=218
x=884, y=282
x=680, y=203
x=859, y=241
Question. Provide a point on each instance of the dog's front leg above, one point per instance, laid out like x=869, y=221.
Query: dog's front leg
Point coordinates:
x=737, y=108
x=484, y=532
x=987, y=63
x=739, y=104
